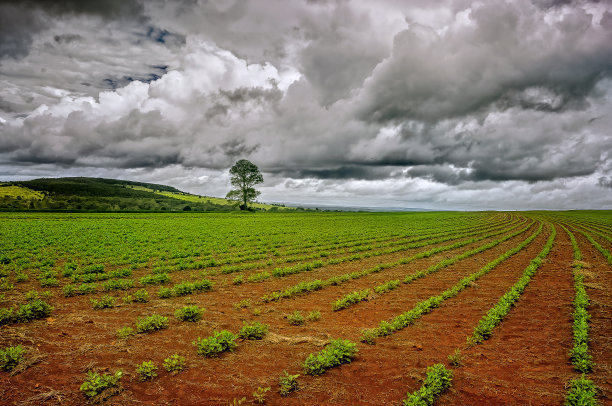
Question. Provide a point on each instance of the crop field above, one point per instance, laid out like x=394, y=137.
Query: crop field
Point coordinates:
x=445, y=308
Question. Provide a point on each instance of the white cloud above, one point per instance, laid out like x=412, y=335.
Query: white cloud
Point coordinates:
x=438, y=105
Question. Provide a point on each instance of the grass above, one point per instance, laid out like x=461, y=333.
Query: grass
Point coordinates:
x=21, y=192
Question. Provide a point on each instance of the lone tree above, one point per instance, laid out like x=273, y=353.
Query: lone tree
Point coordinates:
x=244, y=175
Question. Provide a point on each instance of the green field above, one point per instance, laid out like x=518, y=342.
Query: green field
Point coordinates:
x=95, y=292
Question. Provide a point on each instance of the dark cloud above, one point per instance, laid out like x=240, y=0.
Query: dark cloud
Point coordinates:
x=499, y=54
x=605, y=181
x=355, y=172
x=104, y=8
x=19, y=21
x=449, y=102
x=441, y=174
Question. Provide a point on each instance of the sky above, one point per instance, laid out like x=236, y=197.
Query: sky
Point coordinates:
x=445, y=105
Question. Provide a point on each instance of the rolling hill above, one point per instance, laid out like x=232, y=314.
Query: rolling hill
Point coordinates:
x=107, y=195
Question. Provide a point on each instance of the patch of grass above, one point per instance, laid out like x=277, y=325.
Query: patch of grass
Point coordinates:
x=352, y=298
x=36, y=309
x=117, y=284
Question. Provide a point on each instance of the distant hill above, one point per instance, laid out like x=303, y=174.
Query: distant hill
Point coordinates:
x=107, y=195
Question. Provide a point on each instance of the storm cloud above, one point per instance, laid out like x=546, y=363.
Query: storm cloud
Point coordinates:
x=504, y=104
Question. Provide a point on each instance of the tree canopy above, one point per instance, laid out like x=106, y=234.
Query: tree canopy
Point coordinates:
x=243, y=176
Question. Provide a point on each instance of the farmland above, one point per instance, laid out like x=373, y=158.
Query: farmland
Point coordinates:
x=321, y=308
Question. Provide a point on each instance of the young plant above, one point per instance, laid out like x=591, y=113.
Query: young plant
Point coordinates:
x=368, y=335
x=164, y=293
x=141, y=296
x=96, y=383
x=351, y=298
x=437, y=380
x=125, y=332
x=36, y=309
x=189, y=313
x=21, y=277
x=105, y=302
x=313, y=315
x=253, y=331
x=260, y=395
x=581, y=393
x=151, y=323
x=288, y=383
x=10, y=357
x=219, y=342
x=338, y=352
x=296, y=319
x=156, y=279
x=146, y=371
x=243, y=304
x=69, y=290
x=174, y=364
x=456, y=359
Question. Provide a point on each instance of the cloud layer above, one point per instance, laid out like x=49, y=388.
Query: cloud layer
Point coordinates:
x=456, y=104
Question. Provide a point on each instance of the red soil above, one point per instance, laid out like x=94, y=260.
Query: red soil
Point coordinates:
x=525, y=361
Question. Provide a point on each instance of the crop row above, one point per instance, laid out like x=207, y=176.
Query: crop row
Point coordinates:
x=356, y=297
x=305, y=287
x=403, y=320
x=416, y=242
x=485, y=327
x=581, y=390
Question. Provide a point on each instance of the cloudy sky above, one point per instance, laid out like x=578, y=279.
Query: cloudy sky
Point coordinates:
x=454, y=104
